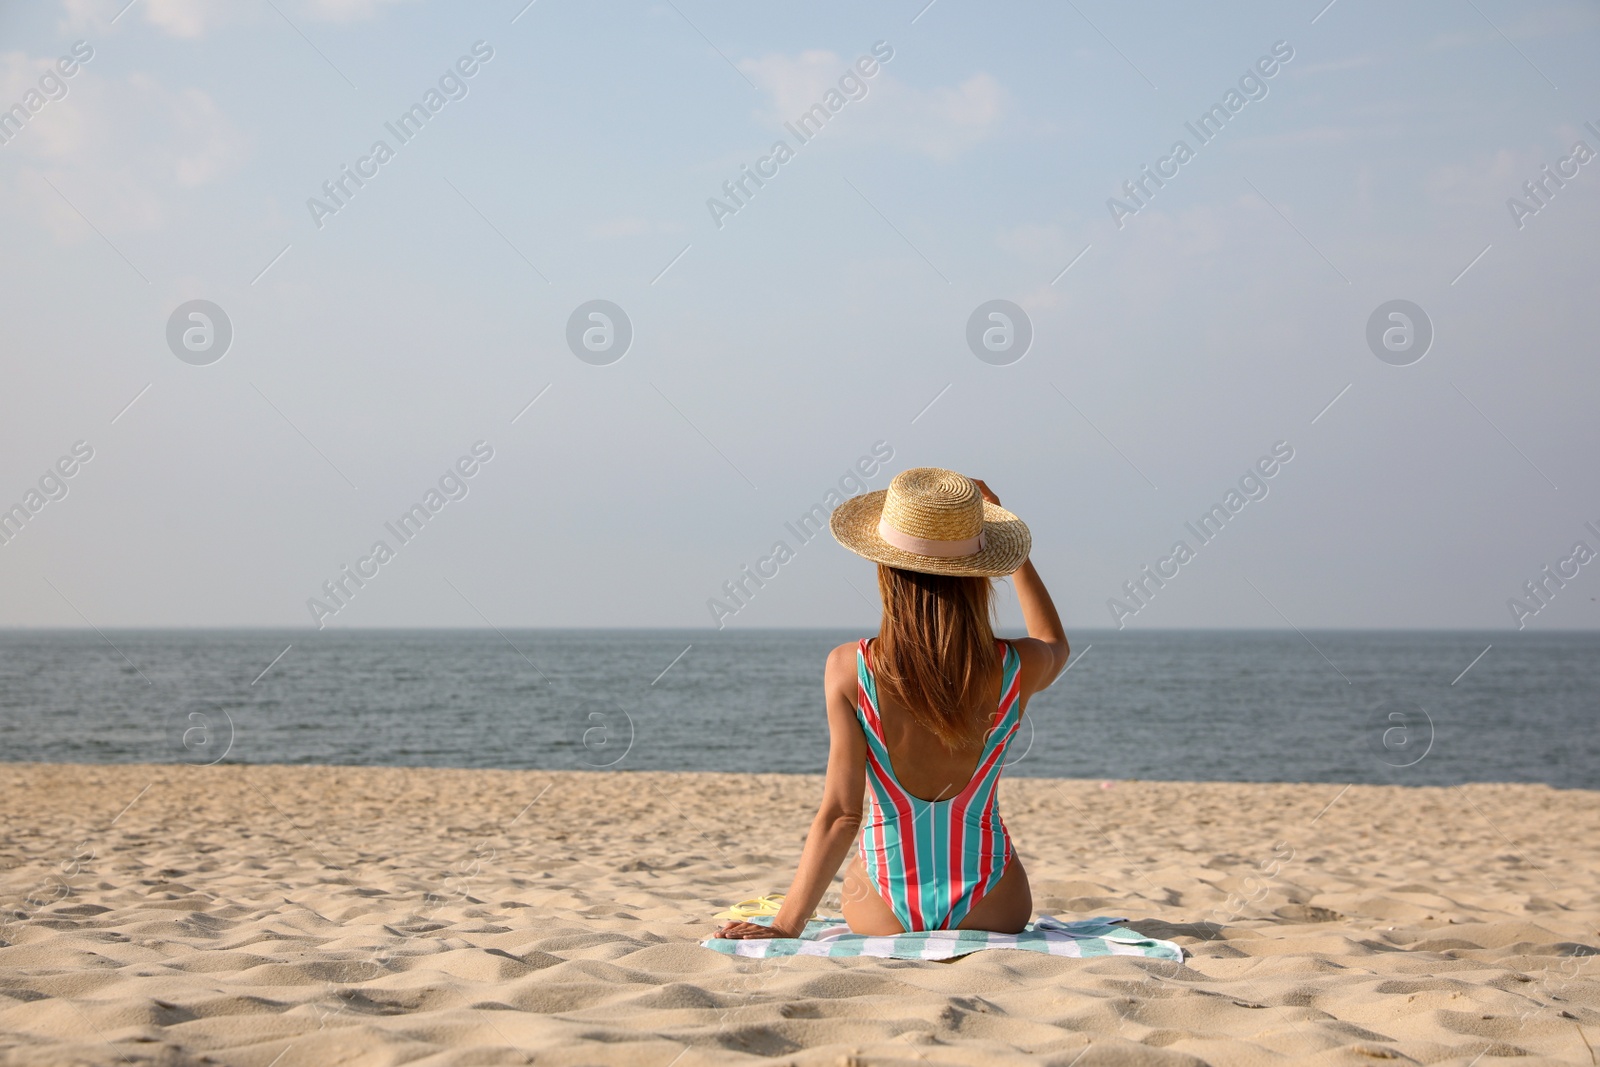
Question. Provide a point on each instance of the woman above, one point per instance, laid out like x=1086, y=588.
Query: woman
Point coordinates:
x=920, y=719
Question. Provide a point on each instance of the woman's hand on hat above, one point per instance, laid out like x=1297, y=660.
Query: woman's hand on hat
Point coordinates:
x=988, y=495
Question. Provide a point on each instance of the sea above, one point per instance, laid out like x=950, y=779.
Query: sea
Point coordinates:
x=1400, y=707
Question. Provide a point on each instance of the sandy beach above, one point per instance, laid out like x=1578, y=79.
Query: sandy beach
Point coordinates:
x=287, y=916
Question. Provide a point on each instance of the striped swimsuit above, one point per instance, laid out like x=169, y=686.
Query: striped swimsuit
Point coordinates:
x=932, y=860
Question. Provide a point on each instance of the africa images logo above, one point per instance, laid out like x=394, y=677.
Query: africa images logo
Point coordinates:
x=852, y=85
x=52, y=86
x=343, y=187
x=741, y=589
x=1140, y=591
x=1252, y=86
x=342, y=588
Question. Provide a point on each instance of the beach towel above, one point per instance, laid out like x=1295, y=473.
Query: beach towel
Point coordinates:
x=1084, y=938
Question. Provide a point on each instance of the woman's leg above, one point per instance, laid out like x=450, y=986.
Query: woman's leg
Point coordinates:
x=864, y=909
x=1007, y=907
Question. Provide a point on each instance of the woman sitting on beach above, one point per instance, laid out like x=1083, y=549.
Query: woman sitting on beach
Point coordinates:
x=924, y=715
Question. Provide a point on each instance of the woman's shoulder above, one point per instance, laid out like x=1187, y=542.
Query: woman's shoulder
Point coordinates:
x=844, y=666
x=1035, y=658
x=843, y=657
x=840, y=678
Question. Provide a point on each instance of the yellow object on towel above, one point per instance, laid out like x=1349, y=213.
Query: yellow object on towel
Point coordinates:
x=749, y=909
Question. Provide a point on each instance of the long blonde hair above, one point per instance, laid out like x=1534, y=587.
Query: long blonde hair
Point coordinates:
x=935, y=651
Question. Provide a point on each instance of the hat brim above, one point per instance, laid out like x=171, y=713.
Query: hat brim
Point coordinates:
x=1006, y=540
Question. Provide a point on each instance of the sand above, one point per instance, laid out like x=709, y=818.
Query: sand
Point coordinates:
x=289, y=916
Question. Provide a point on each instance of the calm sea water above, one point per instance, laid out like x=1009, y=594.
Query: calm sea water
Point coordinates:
x=1251, y=706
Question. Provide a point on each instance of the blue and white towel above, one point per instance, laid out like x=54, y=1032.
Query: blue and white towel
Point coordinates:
x=1084, y=938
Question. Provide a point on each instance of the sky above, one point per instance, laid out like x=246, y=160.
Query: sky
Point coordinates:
x=1359, y=276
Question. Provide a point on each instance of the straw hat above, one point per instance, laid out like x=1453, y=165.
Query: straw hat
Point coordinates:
x=933, y=521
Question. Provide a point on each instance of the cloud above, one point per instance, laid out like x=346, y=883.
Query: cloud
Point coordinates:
x=205, y=145
x=125, y=150
x=347, y=10
x=959, y=118
x=194, y=19
x=182, y=18
x=941, y=122
x=20, y=76
x=795, y=84
x=56, y=128
x=1485, y=181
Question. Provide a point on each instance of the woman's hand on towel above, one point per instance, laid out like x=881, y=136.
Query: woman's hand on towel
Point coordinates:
x=743, y=931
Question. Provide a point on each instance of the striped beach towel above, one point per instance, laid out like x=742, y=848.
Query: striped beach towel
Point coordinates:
x=1084, y=938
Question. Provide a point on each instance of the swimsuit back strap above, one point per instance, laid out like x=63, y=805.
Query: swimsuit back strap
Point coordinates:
x=867, y=692
x=1008, y=710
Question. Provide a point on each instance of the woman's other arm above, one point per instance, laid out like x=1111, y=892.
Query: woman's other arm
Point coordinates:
x=838, y=819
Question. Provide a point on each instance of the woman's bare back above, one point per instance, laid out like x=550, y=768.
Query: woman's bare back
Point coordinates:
x=921, y=763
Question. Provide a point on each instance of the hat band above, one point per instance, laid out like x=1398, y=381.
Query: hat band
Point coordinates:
x=923, y=546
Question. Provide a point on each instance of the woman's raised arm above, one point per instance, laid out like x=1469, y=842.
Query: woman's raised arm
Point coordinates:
x=1045, y=651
